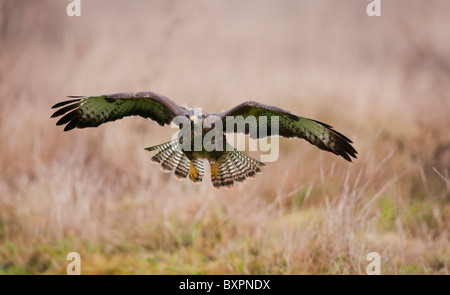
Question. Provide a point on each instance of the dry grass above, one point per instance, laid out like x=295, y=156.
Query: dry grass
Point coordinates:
x=382, y=81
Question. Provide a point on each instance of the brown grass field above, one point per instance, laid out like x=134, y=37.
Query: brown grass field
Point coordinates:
x=382, y=81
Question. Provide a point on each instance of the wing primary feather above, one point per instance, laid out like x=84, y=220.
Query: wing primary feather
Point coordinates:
x=63, y=103
x=64, y=110
x=93, y=111
x=315, y=132
x=68, y=117
x=71, y=125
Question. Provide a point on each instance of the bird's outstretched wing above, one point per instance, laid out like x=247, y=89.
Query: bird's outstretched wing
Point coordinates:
x=91, y=111
x=291, y=125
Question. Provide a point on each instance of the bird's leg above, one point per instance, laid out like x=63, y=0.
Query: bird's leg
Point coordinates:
x=214, y=169
x=193, y=173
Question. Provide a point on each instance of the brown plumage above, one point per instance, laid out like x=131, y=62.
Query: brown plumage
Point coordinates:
x=227, y=165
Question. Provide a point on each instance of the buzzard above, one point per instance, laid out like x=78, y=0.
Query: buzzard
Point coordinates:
x=228, y=165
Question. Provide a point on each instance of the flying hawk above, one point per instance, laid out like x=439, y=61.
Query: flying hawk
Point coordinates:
x=228, y=165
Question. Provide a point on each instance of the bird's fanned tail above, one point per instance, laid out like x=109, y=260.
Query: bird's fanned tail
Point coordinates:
x=233, y=166
x=171, y=157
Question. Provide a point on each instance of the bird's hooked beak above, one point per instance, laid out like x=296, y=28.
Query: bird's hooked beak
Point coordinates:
x=193, y=119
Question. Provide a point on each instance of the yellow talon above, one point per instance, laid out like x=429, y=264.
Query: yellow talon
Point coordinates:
x=214, y=170
x=193, y=173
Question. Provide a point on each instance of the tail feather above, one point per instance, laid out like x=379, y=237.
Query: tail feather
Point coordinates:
x=197, y=170
x=183, y=167
x=238, y=169
x=168, y=156
x=171, y=161
x=225, y=175
x=162, y=146
x=233, y=166
x=171, y=157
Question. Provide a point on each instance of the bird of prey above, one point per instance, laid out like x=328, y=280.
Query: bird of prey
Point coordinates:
x=228, y=165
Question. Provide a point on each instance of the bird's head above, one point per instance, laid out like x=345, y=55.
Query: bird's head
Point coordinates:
x=194, y=119
x=196, y=116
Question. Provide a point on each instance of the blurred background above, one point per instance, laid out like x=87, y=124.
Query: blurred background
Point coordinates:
x=382, y=81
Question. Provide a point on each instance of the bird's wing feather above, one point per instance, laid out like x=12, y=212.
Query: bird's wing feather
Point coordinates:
x=91, y=111
x=291, y=125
